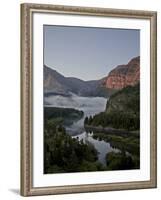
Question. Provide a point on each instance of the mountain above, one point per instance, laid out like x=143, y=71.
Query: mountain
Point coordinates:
x=122, y=110
x=126, y=100
x=120, y=77
x=55, y=83
x=124, y=75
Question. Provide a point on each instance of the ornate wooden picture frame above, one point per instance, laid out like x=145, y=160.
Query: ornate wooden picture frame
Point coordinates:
x=29, y=28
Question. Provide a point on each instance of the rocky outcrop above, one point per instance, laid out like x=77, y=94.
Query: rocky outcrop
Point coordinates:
x=124, y=75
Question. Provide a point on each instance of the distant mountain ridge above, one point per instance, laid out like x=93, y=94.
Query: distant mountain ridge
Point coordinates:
x=55, y=83
x=120, y=77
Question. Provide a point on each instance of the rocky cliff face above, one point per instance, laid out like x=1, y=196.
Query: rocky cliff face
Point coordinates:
x=124, y=75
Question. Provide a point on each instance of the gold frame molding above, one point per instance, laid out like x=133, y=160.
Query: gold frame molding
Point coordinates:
x=27, y=11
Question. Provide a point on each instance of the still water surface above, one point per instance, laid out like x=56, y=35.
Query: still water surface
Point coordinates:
x=90, y=106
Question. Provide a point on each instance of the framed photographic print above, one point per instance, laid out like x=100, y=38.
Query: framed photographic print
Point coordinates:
x=88, y=99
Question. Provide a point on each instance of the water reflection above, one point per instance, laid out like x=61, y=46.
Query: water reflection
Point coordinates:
x=90, y=106
x=101, y=146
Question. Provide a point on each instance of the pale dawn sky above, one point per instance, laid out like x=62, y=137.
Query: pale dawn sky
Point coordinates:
x=88, y=53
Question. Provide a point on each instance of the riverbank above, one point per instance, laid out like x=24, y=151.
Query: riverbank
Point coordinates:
x=111, y=131
x=66, y=137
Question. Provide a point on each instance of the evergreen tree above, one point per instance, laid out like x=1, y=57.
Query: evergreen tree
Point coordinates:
x=86, y=120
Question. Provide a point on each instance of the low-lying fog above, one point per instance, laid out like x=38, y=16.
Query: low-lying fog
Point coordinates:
x=90, y=106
